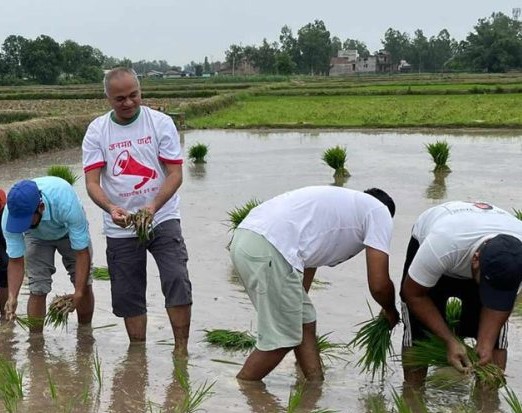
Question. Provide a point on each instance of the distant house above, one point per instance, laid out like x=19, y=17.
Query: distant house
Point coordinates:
x=172, y=73
x=404, y=67
x=349, y=62
x=154, y=74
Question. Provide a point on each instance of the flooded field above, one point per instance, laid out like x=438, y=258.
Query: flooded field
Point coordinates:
x=242, y=165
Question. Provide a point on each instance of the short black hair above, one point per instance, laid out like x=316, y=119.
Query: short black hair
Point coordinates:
x=383, y=197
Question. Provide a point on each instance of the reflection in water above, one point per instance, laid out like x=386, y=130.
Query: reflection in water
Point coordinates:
x=340, y=180
x=437, y=189
x=261, y=400
x=130, y=381
x=176, y=393
x=57, y=383
x=197, y=170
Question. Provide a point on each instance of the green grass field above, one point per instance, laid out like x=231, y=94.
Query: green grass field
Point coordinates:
x=455, y=111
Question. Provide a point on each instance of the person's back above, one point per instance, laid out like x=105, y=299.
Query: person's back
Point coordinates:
x=322, y=225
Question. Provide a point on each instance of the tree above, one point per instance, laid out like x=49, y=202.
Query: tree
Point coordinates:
x=41, y=59
x=12, y=48
x=315, y=46
x=442, y=49
x=233, y=56
x=495, y=45
x=284, y=64
x=265, y=59
x=199, y=70
x=336, y=46
x=352, y=44
x=206, y=65
x=419, y=51
x=397, y=44
x=289, y=45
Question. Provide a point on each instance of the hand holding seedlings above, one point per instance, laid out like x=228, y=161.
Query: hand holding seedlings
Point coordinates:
x=141, y=223
x=10, y=308
x=59, y=310
x=119, y=216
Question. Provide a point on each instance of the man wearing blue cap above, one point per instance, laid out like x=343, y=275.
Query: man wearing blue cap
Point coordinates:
x=471, y=251
x=42, y=216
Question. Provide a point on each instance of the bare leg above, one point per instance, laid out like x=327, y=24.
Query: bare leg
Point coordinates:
x=260, y=363
x=86, y=307
x=136, y=328
x=307, y=354
x=36, y=310
x=180, y=322
x=3, y=300
x=414, y=377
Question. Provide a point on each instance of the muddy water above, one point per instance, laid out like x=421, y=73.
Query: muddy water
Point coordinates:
x=242, y=165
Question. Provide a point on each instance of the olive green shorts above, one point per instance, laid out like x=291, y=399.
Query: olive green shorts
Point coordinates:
x=275, y=288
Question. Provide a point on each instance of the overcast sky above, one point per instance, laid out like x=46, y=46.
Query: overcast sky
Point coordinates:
x=180, y=32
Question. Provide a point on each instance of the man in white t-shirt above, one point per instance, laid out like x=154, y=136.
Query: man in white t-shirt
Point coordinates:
x=277, y=249
x=132, y=160
x=468, y=250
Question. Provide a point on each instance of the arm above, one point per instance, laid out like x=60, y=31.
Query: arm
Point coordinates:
x=421, y=305
x=380, y=284
x=491, y=321
x=15, y=275
x=308, y=277
x=172, y=183
x=82, y=271
x=97, y=194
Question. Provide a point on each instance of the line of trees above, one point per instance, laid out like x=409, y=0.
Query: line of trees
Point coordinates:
x=494, y=45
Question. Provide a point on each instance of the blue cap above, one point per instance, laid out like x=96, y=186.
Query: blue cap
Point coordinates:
x=22, y=201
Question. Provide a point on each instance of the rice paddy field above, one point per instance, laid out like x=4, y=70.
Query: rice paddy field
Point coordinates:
x=383, y=122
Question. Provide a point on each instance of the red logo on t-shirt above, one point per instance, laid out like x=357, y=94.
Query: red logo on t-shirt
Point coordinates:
x=126, y=165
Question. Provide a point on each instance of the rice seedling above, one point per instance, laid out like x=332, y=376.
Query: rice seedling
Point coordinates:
x=335, y=157
x=453, y=312
x=230, y=339
x=11, y=386
x=401, y=406
x=141, y=223
x=329, y=350
x=64, y=172
x=439, y=151
x=101, y=273
x=197, y=152
x=432, y=352
x=238, y=214
x=97, y=369
x=295, y=398
x=193, y=398
x=517, y=213
x=512, y=400
x=375, y=403
x=59, y=309
x=27, y=322
x=52, y=386
x=374, y=339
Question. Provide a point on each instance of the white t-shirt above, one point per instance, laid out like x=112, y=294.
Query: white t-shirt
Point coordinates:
x=450, y=233
x=322, y=225
x=131, y=158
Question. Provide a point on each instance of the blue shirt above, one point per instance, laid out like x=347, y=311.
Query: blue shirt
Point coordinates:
x=63, y=215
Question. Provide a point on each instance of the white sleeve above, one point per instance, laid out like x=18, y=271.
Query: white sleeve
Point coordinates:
x=431, y=261
x=379, y=228
x=169, y=142
x=92, y=153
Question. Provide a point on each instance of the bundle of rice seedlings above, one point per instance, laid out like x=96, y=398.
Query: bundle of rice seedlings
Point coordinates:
x=197, y=152
x=27, y=322
x=453, y=312
x=374, y=339
x=230, y=339
x=59, y=310
x=432, y=352
x=329, y=350
x=439, y=151
x=64, y=172
x=513, y=401
x=238, y=214
x=335, y=158
x=517, y=213
x=101, y=273
x=141, y=223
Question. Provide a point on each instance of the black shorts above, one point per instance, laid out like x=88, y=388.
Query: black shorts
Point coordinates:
x=447, y=287
x=127, y=264
x=4, y=259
